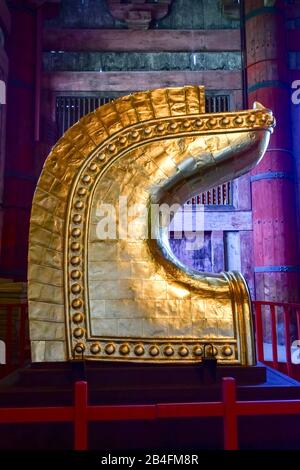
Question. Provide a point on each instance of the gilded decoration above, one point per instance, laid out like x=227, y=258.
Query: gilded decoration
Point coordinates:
x=130, y=298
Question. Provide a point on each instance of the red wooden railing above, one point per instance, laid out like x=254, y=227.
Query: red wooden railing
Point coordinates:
x=82, y=413
x=277, y=326
x=269, y=317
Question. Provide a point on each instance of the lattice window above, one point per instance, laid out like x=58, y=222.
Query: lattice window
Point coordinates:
x=69, y=109
x=218, y=196
x=217, y=103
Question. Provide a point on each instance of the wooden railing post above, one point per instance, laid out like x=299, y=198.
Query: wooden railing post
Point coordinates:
x=9, y=336
x=80, y=417
x=287, y=320
x=259, y=332
x=230, y=415
x=274, y=336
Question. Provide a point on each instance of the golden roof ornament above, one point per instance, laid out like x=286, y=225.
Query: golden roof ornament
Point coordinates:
x=99, y=292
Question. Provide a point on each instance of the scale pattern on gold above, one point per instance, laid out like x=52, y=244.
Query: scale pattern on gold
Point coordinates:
x=130, y=299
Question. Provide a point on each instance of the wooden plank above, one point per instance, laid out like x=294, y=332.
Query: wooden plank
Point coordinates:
x=141, y=41
x=232, y=250
x=246, y=249
x=237, y=100
x=135, y=81
x=242, y=193
x=218, y=220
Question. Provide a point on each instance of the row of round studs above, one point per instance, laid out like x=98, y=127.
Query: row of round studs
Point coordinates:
x=168, y=350
x=76, y=245
x=222, y=122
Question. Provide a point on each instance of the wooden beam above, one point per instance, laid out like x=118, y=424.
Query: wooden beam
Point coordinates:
x=134, y=81
x=219, y=220
x=141, y=41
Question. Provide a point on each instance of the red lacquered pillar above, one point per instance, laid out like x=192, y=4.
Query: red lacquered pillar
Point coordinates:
x=5, y=29
x=276, y=256
x=20, y=177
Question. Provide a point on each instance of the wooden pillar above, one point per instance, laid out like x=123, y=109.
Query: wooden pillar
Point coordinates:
x=20, y=178
x=4, y=34
x=276, y=258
